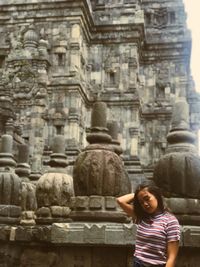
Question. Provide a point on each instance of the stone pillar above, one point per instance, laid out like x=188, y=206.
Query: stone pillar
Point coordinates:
x=113, y=130
x=28, y=197
x=74, y=126
x=23, y=168
x=9, y=127
x=73, y=133
x=134, y=142
x=37, y=135
x=132, y=164
x=133, y=67
x=74, y=119
x=1, y=125
x=75, y=63
x=35, y=173
x=10, y=184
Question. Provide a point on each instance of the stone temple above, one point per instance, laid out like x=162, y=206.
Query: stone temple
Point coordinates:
x=96, y=96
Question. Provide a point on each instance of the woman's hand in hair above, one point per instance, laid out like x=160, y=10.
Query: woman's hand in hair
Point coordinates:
x=126, y=204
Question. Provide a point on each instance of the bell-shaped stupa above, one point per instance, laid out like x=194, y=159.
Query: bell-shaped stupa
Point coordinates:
x=55, y=188
x=178, y=171
x=10, y=184
x=99, y=174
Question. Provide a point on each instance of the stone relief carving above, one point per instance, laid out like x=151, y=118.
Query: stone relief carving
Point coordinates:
x=159, y=18
x=32, y=44
x=24, y=81
x=162, y=80
x=25, y=70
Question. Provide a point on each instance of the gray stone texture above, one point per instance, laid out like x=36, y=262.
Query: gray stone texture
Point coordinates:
x=68, y=68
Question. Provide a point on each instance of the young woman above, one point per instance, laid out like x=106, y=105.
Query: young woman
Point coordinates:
x=158, y=231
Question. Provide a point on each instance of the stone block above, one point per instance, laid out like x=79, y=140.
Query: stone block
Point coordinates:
x=56, y=211
x=94, y=233
x=129, y=233
x=30, y=215
x=4, y=233
x=184, y=205
x=193, y=206
x=96, y=202
x=43, y=212
x=12, y=233
x=114, y=234
x=72, y=202
x=110, y=203
x=66, y=211
x=178, y=205
x=67, y=233
x=15, y=211
x=191, y=236
x=22, y=234
x=81, y=202
x=4, y=210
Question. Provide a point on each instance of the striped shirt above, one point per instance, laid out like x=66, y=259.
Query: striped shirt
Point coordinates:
x=152, y=237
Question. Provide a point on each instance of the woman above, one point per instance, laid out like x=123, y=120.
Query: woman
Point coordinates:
x=158, y=231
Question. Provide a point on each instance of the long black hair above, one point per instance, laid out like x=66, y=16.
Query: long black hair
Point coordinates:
x=154, y=190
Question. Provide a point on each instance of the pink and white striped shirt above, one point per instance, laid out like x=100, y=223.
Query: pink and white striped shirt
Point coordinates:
x=152, y=237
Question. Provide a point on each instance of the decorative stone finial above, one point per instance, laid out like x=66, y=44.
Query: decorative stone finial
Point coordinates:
x=10, y=184
x=58, y=157
x=6, y=157
x=180, y=116
x=113, y=132
x=178, y=171
x=180, y=132
x=31, y=38
x=43, y=45
x=35, y=173
x=9, y=127
x=99, y=131
x=55, y=188
x=99, y=174
x=23, y=168
x=28, y=196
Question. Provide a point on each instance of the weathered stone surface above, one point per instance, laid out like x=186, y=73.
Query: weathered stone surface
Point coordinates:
x=55, y=188
x=93, y=233
x=31, y=257
x=179, y=174
x=56, y=59
x=178, y=171
x=50, y=69
x=191, y=236
x=48, y=195
x=10, y=184
x=99, y=172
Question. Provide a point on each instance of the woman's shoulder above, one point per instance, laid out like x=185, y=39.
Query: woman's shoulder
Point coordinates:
x=170, y=217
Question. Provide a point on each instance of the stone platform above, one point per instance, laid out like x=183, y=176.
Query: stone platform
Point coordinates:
x=83, y=244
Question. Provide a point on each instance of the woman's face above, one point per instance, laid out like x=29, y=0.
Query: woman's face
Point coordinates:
x=147, y=201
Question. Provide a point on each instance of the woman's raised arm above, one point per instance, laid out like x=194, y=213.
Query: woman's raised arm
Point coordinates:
x=125, y=203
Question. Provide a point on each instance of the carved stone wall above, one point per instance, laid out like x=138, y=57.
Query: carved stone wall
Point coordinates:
x=56, y=59
x=134, y=56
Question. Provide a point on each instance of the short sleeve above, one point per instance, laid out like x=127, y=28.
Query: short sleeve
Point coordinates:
x=173, y=229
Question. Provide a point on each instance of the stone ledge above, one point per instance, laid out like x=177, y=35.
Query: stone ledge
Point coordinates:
x=93, y=233
x=191, y=236
x=86, y=233
x=112, y=234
